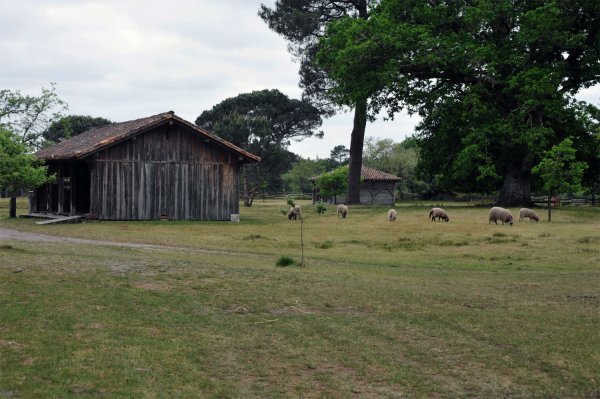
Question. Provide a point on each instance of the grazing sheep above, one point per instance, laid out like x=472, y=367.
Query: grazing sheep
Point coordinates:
x=438, y=213
x=392, y=215
x=504, y=215
x=294, y=212
x=342, y=211
x=528, y=213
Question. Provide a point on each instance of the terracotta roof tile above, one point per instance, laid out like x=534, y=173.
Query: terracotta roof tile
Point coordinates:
x=371, y=174
x=368, y=173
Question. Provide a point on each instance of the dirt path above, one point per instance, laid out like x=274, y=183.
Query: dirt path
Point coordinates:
x=8, y=234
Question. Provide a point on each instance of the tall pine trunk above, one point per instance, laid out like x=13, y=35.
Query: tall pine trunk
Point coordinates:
x=516, y=186
x=356, y=152
x=358, y=133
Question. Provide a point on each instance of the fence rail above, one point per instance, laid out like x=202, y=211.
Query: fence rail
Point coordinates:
x=542, y=200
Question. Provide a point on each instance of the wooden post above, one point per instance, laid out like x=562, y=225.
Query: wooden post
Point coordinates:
x=61, y=189
x=33, y=200
x=72, y=207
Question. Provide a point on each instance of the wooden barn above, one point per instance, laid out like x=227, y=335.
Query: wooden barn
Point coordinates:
x=376, y=188
x=159, y=167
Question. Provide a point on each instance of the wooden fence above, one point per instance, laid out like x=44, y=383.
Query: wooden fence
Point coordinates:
x=556, y=201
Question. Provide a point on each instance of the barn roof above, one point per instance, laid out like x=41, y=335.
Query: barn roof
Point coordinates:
x=99, y=138
x=368, y=173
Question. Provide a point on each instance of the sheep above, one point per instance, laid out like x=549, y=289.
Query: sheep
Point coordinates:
x=294, y=212
x=528, y=213
x=342, y=211
x=504, y=215
x=392, y=215
x=438, y=213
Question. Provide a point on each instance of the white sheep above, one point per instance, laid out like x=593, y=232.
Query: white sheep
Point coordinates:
x=392, y=215
x=342, y=211
x=438, y=213
x=294, y=212
x=504, y=215
x=528, y=213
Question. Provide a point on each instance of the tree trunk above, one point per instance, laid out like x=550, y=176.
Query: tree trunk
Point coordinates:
x=246, y=189
x=12, y=212
x=549, y=207
x=358, y=132
x=516, y=186
x=356, y=152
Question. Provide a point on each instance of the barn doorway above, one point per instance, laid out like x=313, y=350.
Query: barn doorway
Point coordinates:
x=70, y=193
x=80, y=188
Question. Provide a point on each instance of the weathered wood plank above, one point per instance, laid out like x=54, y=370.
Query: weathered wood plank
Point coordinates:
x=63, y=219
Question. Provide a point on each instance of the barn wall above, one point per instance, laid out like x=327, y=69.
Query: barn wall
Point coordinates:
x=167, y=172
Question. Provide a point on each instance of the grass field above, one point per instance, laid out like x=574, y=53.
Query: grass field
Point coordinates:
x=405, y=309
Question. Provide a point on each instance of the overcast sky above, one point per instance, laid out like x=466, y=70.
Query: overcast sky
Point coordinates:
x=126, y=59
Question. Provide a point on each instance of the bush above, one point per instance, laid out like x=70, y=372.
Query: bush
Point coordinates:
x=284, y=261
x=320, y=207
x=290, y=201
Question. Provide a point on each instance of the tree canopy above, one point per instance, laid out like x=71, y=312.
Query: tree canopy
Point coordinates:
x=339, y=155
x=72, y=125
x=19, y=169
x=559, y=170
x=28, y=116
x=399, y=159
x=333, y=183
x=297, y=178
x=494, y=80
x=264, y=123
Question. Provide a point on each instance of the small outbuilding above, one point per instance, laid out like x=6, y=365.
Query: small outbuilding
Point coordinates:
x=376, y=188
x=158, y=167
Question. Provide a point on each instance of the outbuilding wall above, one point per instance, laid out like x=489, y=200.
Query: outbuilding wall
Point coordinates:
x=374, y=193
x=168, y=172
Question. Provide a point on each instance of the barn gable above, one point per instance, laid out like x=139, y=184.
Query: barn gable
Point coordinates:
x=160, y=167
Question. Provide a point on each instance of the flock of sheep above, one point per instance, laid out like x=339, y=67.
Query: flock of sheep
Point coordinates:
x=496, y=214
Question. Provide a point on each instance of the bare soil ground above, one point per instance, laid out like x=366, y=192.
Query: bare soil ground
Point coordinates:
x=8, y=234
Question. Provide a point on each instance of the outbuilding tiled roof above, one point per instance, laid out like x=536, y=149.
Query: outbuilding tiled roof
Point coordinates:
x=368, y=173
x=99, y=138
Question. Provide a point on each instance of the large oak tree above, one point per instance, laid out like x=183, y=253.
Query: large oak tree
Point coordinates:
x=494, y=80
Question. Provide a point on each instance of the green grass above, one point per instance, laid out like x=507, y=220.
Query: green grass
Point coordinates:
x=405, y=309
